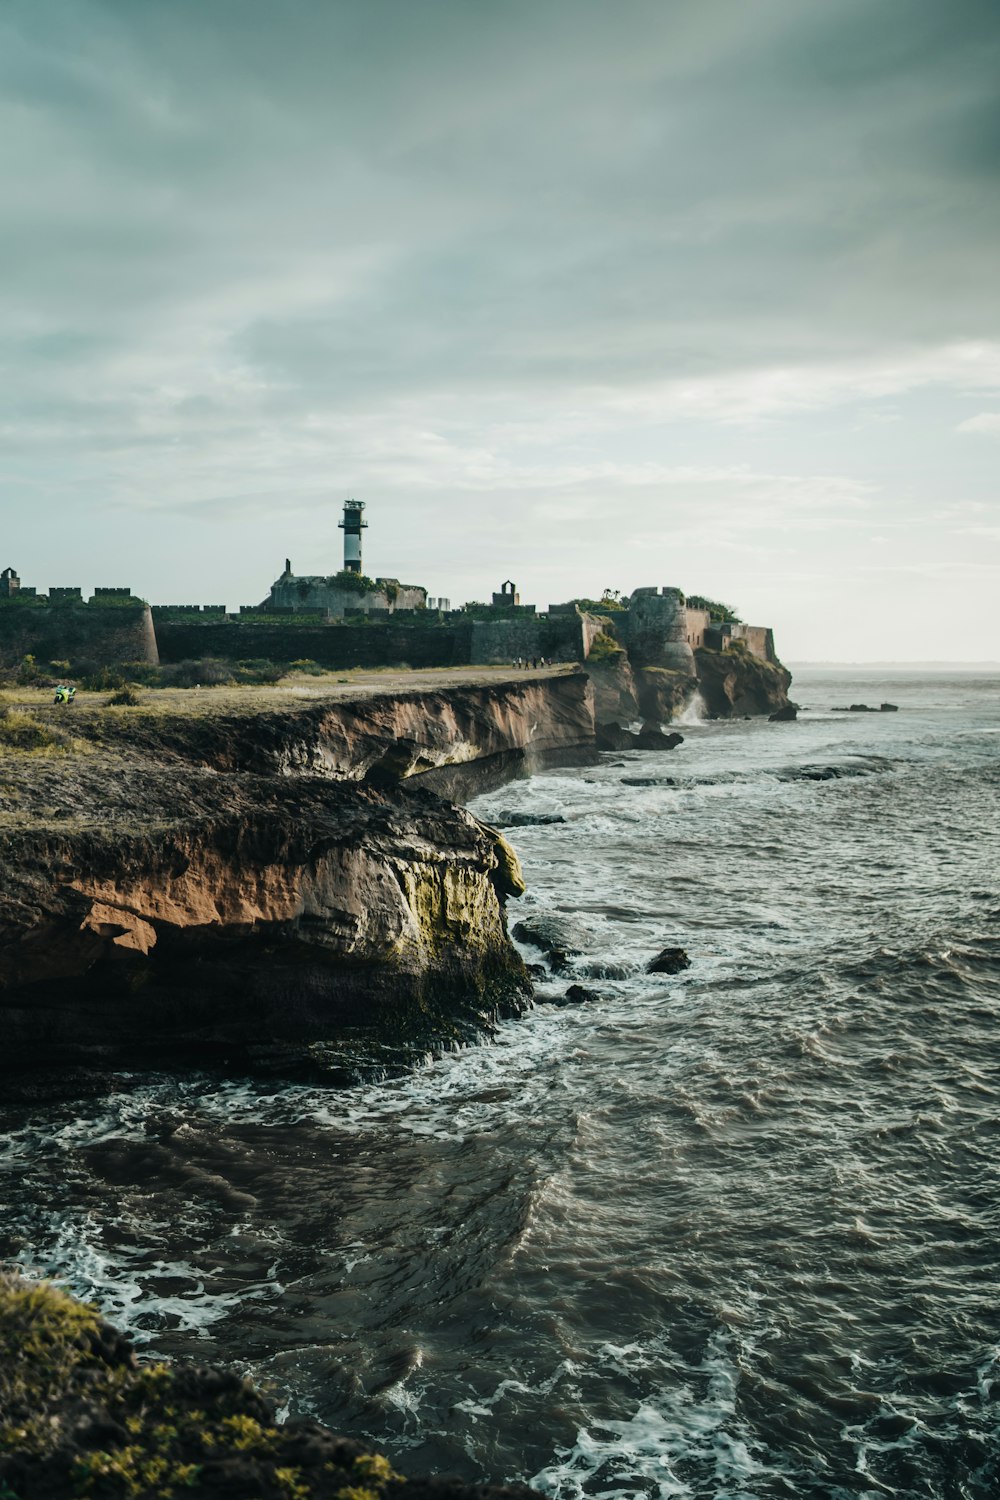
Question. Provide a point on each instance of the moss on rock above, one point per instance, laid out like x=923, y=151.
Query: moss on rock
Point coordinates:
x=80, y=1416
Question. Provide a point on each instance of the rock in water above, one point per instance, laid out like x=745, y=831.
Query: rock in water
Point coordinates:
x=734, y=683
x=614, y=737
x=668, y=961
x=526, y=819
x=651, y=737
x=785, y=715
x=579, y=994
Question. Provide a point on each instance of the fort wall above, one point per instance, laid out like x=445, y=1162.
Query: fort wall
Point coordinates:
x=655, y=630
x=339, y=647
x=697, y=621
x=77, y=632
x=556, y=637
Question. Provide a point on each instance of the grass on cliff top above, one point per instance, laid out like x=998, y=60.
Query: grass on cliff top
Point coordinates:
x=79, y=1416
x=292, y=692
x=23, y=734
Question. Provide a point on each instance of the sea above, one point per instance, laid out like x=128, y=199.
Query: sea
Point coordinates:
x=729, y=1232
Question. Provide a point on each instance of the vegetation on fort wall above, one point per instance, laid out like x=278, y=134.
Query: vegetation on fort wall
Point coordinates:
x=603, y=647
x=610, y=600
x=355, y=583
x=718, y=613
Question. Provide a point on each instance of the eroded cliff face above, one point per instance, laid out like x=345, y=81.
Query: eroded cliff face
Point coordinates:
x=614, y=684
x=262, y=911
x=735, y=683
x=206, y=887
x=458, y=739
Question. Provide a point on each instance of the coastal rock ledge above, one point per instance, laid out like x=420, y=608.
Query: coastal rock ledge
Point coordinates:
x=80, y=1416
x=285, y=892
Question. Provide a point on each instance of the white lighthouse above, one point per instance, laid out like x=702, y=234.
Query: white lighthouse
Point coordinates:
x=352, y=526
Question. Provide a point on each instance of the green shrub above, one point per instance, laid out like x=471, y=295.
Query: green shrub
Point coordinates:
x=125, y=697
x=719, y=614
x=603, y=647
x=28, y=673
x=609, y=601
x=104, y=680
x=355, y=583
x=206, y=672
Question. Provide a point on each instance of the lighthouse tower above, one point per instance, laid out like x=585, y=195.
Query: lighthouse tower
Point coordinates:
x=352, y=526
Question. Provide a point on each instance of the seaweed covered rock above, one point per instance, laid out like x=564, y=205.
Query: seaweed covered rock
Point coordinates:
x=80, y=1416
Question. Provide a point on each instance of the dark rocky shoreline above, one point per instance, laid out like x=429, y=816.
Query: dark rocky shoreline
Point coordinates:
x=267, y=890
x=80, y=1415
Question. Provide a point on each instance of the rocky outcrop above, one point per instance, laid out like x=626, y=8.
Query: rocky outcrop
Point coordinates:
x=614, y=688
x=456, y=741
x=663, y=694
x=79, y=1415
x=199, y=916
x=257, y=887
x=734, y=683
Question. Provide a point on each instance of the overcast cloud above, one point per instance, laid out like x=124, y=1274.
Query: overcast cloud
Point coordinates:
x=585, y=294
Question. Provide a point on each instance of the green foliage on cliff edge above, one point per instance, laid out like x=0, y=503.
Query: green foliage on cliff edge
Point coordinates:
x=718, y=613
x=79, y=1416
x=604, y=648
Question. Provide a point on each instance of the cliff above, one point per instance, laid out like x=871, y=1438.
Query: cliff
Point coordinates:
x=734, y=682
x=79, y=1415
x=662, y=660
x=247, y=885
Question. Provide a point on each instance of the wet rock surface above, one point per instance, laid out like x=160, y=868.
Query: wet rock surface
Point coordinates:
x=559, y=938
x=580, y=994
x=527, y=820
x=669, y=961
x=867, y=708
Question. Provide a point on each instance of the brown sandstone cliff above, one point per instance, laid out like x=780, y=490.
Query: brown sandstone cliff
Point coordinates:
x=735, y=682
x=257, y=885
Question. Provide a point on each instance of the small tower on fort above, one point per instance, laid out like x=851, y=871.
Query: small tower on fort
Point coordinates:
x=352, y=526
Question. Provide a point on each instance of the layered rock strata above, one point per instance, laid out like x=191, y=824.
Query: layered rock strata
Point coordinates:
x=188, y=914
x=734, y=683
x=206, y=887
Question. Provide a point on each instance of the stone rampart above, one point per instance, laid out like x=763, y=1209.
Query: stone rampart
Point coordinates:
x=655, y=630
x=386, y=644
x=102, y=634
x=499, y=640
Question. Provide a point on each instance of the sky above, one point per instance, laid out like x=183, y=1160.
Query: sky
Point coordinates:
x=587, y=295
